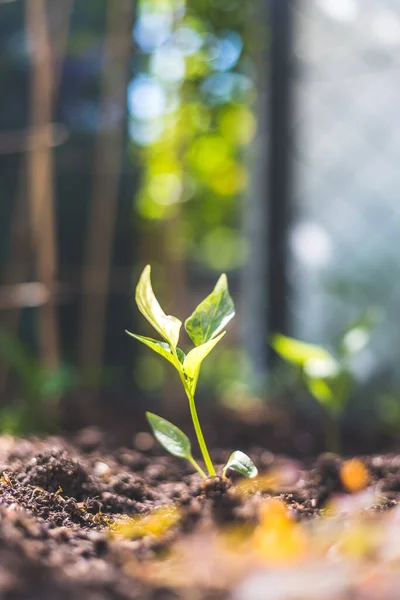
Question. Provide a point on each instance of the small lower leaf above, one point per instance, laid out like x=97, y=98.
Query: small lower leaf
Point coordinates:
x=170, y=437
x=241, y=463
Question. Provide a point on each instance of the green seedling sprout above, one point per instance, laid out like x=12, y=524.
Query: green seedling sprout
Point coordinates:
x=205, y=328
x=328, y=376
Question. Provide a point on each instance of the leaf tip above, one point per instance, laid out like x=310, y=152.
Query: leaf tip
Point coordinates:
x=150, y=419
x=144, y=277
x=222, y=283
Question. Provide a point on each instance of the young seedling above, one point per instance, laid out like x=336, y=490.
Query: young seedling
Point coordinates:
x=205, y=328
x=329, y=376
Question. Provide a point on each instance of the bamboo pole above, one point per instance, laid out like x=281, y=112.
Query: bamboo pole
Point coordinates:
x=16, y=268
x=106, y=177
x=40, y=176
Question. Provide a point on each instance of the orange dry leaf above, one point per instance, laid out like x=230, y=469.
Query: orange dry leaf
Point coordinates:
x=278, y=478
x=354, y=475
x=278, y=539
x=274, y=514
x=263, y=483
x=359, y=540
x=5, y=479
x=154, y=524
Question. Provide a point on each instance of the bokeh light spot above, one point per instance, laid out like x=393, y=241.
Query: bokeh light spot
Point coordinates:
x=146, y=98
x=227, y=50
x=238, y=124
x=209, y=153
x=223, y=249
x=152, y=29
x=165, y=189
x=311, y=245
x=187, y=40
x=230, y=179
x=168, y=64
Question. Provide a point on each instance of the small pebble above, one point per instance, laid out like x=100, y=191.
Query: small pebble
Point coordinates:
x=143, y=441
x=101, y=469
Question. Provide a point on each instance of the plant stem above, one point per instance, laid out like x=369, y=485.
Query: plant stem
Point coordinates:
x=199, y=434
x=333, y=433
x=196, y=422
x=197, y=467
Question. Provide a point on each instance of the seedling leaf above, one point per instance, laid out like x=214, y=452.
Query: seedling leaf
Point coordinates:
x=212, y=315
x=161, y=348
x=322, y=368
x=166, y=325
x=298, y=353
x=181, y=355
x=170, y=437
x=241, y=463
x=194, y=358
x=321, y=390
x=332, y=392
x=358, y=333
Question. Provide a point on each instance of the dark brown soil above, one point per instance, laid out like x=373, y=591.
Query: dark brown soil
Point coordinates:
x=58, y=500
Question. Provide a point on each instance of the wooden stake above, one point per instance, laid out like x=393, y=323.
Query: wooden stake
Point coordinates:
x=40, y=176
x=106, y=177
x=17, y=266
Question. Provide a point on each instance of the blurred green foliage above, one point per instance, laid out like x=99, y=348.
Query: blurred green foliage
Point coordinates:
x=191, y=118
x=191, y=111
x=37, y=389
x=330, y=376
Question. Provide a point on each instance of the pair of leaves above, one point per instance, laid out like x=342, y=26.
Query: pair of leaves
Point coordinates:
x=204, y=326
x=351, y=341
x=326, y=379
x=329, y=380
x=178, y=444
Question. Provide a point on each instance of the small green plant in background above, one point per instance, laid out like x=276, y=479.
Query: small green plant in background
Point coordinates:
x=205, y=328
x=329, y=375
x=37, y=389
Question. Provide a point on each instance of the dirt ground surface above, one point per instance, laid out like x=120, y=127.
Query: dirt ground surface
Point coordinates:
x=81, y=520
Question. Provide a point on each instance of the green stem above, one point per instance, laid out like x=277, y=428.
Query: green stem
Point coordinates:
x=196, y=422
x=197, y=467
x=199, y=434
x=333, y=433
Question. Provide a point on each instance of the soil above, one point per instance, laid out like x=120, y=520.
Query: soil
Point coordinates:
x=60, y=500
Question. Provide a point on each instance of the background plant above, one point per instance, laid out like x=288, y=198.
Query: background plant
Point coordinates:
x=329, y=375
x=38, y=389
